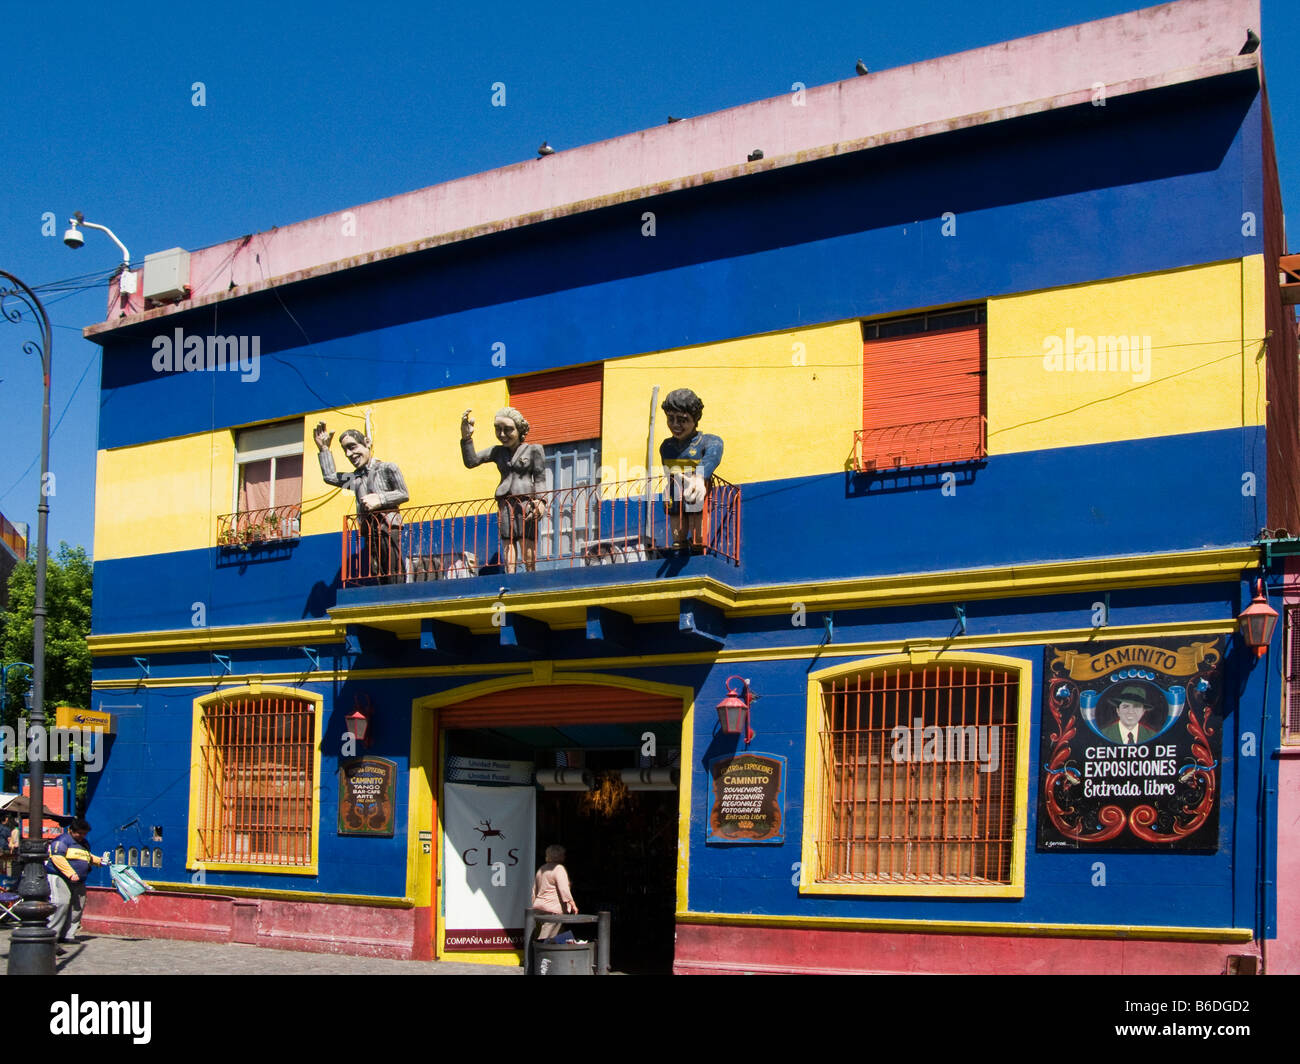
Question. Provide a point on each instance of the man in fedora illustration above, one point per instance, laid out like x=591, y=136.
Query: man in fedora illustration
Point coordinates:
x=1131, y=706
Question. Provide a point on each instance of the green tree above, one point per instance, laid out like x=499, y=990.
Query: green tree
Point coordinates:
x=67, y=658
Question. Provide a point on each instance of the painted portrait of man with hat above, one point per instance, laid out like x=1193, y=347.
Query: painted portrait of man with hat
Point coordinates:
x=1132, y=704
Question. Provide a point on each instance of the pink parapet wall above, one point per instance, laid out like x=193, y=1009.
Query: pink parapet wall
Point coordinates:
x=1114, y=56
x=1282, y=955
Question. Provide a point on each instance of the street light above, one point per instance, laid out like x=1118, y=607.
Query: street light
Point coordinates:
x=74, y=240
x=31, y=947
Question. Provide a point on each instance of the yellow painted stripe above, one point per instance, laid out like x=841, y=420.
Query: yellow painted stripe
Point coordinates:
x=283, y=895
x=758, y=394
x=499, y=960
x=291, y=633
x=161, y=497
x=931, y=649
x=972, y=927
x=1144, y=570
x=1199, y=331
x=1203, y=327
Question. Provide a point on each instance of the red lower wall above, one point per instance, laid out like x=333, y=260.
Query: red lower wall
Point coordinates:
x=710, y=949
x=313, y=927
x=407, y=934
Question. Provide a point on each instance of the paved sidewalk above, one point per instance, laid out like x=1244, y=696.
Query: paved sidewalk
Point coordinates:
x=108, y=955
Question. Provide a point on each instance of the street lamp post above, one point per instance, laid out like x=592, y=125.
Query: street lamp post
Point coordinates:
x=31, y=948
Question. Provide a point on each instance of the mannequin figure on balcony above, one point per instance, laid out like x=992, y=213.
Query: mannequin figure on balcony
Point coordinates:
x=380, y=490
x=690, y=458
x=523, y=479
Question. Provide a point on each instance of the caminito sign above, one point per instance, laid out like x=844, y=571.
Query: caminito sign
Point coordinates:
x=1131, y=739
x=748, y=799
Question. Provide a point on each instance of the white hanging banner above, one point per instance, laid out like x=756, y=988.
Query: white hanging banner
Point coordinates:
x=488, y=849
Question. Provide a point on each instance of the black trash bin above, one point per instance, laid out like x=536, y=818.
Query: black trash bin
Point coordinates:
x=545, y=957
x=564, y=958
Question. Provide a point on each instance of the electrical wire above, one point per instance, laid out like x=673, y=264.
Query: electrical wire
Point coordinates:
x=55, y=427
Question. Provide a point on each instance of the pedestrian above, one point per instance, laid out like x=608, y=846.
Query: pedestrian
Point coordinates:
x=551, y=892
x=68, y=865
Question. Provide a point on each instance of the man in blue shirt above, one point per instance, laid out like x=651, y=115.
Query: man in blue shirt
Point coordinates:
x=68, y=865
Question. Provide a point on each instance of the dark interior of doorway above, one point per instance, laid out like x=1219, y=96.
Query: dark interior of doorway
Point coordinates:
x=623, y=863
x=621, y=860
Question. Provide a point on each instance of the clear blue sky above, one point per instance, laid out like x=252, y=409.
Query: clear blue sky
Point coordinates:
x=315, y=107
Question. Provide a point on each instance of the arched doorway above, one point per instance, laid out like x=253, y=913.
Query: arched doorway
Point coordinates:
x=605, y=757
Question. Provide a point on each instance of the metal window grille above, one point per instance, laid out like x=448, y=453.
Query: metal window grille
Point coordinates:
x=934, y=321
x=1291, y=727
x=257, y=759
x=918, y=776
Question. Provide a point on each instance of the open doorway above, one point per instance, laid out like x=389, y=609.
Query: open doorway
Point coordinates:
x=619, y=827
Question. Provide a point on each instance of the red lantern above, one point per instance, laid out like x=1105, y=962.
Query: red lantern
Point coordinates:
x=358, y=722
x=733, y=711
x=1257, y=621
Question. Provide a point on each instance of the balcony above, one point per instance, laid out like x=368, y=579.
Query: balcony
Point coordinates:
x=251, y=528
x=919, y=445
x=612, y=524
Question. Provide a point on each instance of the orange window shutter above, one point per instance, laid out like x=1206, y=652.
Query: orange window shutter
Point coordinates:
x=563, y=704
x=922, y=398
x=561, y=406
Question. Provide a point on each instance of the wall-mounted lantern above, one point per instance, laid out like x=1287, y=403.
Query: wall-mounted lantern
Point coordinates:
x=357, y=723
x=1257, y=621
x=734, y=711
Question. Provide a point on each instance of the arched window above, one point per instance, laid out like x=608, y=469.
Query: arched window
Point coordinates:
x=253, y=800
x=917, y=770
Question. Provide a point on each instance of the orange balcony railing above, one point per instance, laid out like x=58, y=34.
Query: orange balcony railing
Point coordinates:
x=919, y=444
x=250, y=527
x=598, y=524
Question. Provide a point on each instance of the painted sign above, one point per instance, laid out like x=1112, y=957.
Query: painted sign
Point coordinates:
x=83, y=719
x=1131, y=741
x=488, y=865
x=367, y=797
x=486, y=770
x=748, y=799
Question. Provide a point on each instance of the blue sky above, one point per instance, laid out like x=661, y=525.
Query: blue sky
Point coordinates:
x=315, y=107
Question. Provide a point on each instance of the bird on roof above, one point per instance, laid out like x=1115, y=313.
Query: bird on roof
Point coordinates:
x=671, y=120
x=862, y=68
x=1252, y=42
x=545, y=150
x=755, y=155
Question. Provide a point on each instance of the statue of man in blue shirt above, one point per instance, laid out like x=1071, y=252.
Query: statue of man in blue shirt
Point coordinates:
x=690, y=458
